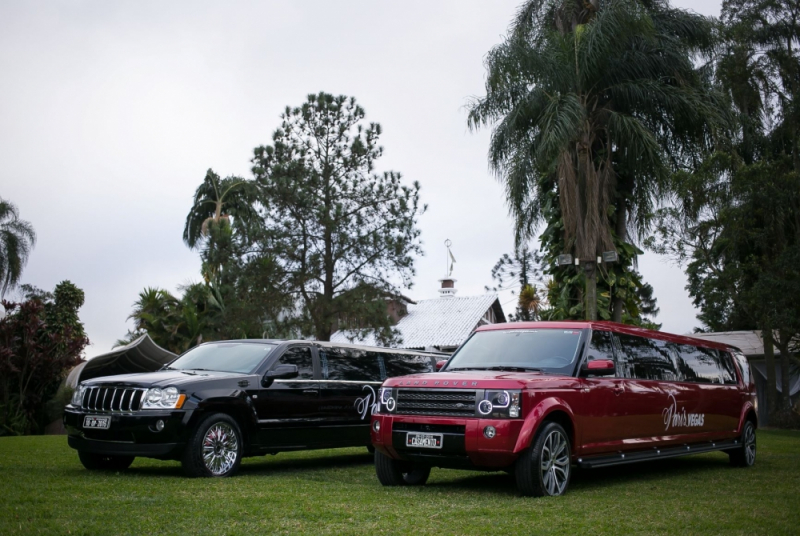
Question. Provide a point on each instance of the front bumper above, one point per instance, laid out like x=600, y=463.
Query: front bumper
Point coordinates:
x=463, y=441
x=130, y=434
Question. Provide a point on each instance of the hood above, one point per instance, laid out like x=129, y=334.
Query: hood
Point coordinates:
x=483, y=379
x=163, y=378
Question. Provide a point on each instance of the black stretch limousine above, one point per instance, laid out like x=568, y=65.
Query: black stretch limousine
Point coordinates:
x=222, y=401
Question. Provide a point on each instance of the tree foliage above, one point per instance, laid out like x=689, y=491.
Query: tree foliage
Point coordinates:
x=594, y=102
x=39, y=342
x=343, y=236
x=17, y=239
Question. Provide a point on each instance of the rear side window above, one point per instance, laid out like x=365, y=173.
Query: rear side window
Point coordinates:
x=726, y=368
x=744, y=366
x=402, y=364
x=698, y=364
x=647, y=359
x=350, y=364
x=300, y=356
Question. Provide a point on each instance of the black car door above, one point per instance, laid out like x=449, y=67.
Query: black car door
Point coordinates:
x=289, y=409
x=351, y=379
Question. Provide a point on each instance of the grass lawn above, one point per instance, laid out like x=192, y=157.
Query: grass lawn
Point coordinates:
x=46, y=490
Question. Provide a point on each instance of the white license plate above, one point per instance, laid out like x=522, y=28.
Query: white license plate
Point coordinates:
x=91, y=421
x=424, y=441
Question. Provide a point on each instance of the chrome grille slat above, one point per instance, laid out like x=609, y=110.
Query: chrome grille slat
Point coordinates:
x=455, y=403
x=110, y=399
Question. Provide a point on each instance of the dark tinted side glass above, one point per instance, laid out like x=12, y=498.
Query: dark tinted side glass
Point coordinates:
x=744, y=366
x=726, y=368
x=350, y=364
x=402, y=364
x=647, y=359
x=300, y=356
x=698, y=364
x=601, y=346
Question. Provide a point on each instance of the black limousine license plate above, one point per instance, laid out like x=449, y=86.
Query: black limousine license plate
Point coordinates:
x=92, y=421
x=424, y=441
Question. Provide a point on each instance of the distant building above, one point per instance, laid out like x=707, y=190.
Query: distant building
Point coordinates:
x=752, y=346
x=439, y=324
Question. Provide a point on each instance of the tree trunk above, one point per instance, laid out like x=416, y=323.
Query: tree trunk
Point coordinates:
x=786, y=399
x=622, y=234
x=769, y=359
x=591, y=291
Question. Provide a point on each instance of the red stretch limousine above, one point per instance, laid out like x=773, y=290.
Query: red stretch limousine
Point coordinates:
x=538, y=397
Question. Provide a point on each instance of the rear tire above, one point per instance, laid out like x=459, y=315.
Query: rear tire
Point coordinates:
x=745, y=454
x=101, y=462
x=393, y=472
x=545, y=468
x=214, y=448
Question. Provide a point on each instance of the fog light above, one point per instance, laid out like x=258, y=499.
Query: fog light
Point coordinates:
x=489, y=432
x=485, y=407
x=376, y=426
x=159, y=425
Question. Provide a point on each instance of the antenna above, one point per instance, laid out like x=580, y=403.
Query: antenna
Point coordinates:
x=449, y=260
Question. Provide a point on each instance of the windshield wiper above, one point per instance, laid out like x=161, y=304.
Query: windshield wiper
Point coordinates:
x=514, y=369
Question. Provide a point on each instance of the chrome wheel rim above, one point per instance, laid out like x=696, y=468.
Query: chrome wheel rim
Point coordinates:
x=750, y=445
x=555, y=463
x=220, y=448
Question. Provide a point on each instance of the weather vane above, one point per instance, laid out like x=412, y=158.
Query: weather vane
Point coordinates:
x=449, y=260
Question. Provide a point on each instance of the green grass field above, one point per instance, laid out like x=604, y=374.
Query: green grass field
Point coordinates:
x=46, y=490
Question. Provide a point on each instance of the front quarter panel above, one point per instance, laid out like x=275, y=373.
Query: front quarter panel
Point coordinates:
x=541, y=408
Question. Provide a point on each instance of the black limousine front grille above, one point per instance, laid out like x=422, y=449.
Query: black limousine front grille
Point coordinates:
x=449, y=403
x=114, y=399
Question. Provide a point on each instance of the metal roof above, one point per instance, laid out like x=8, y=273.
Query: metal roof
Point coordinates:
x=440, y=322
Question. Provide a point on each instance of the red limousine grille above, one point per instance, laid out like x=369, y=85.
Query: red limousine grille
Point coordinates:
x=451, y=403
x=112, y=399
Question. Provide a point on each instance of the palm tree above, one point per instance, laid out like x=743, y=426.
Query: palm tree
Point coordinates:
x=597, y=101
x=17, y=239
x=208, y=223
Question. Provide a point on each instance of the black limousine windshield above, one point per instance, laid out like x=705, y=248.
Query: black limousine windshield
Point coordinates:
x=519, y=350
x=241, y=357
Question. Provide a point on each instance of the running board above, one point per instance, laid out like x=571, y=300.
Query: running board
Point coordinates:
x=657, y=453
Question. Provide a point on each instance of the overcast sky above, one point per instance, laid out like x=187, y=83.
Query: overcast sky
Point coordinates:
x=111, y=112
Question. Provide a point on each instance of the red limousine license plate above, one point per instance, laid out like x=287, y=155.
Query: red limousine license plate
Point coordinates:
x=424, y=441
x=91, y=421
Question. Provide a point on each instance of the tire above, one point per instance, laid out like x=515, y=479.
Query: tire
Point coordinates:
x=101, y=462
x=745, y=455
x=214, y=448
x=392, y=472
x=544, y=469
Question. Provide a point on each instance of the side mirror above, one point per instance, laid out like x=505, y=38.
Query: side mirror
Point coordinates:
x=598, y=367
x=282, y=372
x=440, y=364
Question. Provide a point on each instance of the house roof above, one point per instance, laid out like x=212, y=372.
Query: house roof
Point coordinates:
x=441, y=322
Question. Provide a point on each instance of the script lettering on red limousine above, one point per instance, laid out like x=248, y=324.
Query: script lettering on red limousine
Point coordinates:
x=676, y=419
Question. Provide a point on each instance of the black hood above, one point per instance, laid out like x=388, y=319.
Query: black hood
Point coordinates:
x=164, y=378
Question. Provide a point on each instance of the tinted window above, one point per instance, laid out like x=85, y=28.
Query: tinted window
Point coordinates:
x=549, y=350
x=601, y=346
x=647, y=359
x=241, y=357
x=744, y=367
x=300, y=356
x=350, y=364
x=402, y=364
x=698, y=364
x=726, y=367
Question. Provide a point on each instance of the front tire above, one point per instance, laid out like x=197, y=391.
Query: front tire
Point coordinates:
x=745, y=455
x=214, y=448
x=393, y=472
x=545, y=468
x=101, y=462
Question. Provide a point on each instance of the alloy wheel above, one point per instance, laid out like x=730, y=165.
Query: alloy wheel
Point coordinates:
x=220, y=448
x=555, y=463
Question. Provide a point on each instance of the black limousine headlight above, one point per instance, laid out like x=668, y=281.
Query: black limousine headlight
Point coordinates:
x=77, y=395
x=500, y=404
x=168, y=398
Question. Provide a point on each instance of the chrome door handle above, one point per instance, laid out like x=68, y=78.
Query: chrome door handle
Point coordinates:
x=311, y=391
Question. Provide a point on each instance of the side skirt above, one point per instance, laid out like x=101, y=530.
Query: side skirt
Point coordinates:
x=656, y=453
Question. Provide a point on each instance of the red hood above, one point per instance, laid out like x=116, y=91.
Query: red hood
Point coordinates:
x=483, y=379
